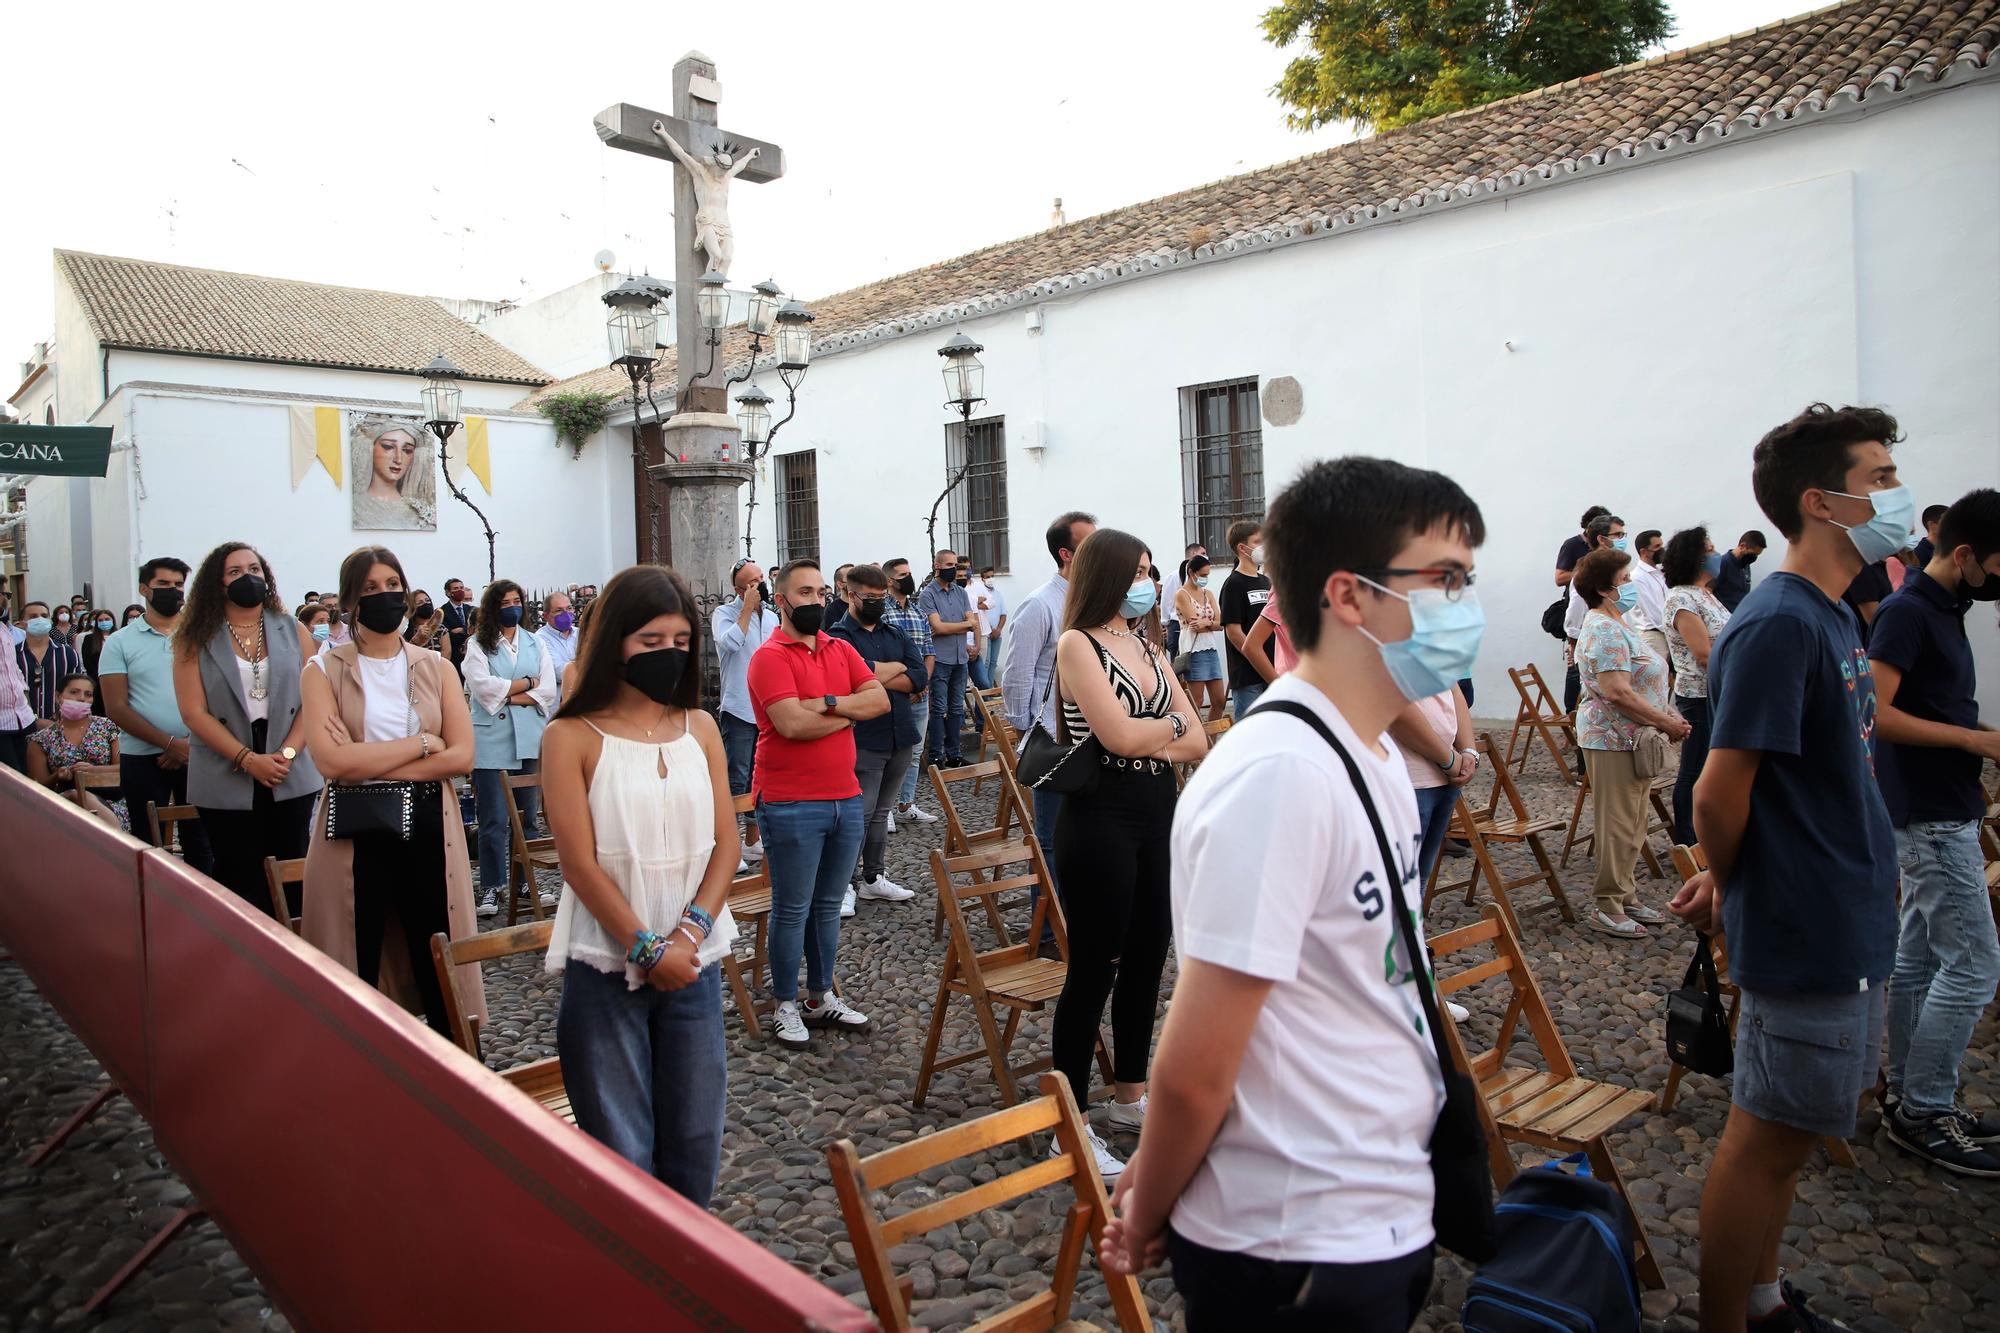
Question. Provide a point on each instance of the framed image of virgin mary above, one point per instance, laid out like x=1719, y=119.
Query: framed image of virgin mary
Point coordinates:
x=393, y=461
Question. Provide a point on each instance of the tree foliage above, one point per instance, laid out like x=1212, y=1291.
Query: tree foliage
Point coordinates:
x=1385, y=63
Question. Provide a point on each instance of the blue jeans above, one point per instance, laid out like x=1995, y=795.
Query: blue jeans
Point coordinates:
x=947, y=689
x=981, y=671
x=1947, y=961
x=1244, y=697
x=920, y=713
x=646, y=1073
x=1694, y=754
x=809, y=848
x=739, y=746
x=1434, y=807
x=496, y=839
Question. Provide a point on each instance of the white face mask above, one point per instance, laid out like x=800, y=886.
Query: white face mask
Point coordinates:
x=1257, y=553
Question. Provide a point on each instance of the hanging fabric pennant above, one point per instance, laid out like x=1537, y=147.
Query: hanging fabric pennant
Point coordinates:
x=478, y=452
x=315, y=434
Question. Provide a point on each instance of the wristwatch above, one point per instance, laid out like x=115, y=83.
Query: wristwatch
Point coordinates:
x=289, y=753
x=832, y=701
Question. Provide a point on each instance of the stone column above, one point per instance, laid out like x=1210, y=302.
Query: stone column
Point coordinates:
x=703, y=514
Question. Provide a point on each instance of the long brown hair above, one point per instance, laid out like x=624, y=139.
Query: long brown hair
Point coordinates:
x=1101, y=576
x=206, y=608
x=488, y=632
x=632, y=599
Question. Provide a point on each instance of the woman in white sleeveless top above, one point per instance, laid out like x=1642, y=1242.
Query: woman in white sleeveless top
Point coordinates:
x=636, y=788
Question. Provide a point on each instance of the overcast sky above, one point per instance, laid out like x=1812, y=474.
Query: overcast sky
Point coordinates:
x=448, y=149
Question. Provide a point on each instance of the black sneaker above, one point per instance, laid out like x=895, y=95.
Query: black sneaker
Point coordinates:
x=1942, y=1140
x=1795, y=1315
x=1979, y=1128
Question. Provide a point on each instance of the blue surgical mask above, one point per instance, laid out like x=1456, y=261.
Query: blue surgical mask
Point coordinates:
x=1889, y=531
x=510, y=616
x=1628, y=596
x=1444, y=640
x=39, y=625
x=1712, y=563
x=322, y=632
x=1201, y=582
x=1138, y=600
x=1621, y=543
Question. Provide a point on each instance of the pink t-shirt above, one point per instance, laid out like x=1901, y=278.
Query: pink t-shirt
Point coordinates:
x=1282, y=656
x=1441, y=711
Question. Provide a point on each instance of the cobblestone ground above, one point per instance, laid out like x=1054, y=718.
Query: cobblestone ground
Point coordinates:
x=1889, y=1245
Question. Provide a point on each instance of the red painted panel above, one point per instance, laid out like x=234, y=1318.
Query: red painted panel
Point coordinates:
x=376, y=1177
x=69, y=913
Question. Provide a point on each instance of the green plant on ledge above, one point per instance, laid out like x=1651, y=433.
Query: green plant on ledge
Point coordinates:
x=577, y=416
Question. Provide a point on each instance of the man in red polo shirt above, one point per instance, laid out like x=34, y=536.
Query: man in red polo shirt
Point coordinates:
x=807, y=691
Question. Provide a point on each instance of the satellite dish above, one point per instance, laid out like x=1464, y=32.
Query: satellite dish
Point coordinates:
x=605, y=259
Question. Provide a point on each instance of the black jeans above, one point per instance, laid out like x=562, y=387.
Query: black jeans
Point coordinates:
x=408, y=877
x=1226, y=1291
x=1572, y=688
x=1694, y=754
x=14, y=749
x=142, y=780
x=1111, y=850
x=239, y=840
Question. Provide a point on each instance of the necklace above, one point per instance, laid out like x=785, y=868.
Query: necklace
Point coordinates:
x=658, y=722
x=1119, y=633
x=258, y=686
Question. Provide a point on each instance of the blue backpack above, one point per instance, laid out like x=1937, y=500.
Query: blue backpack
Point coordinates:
x=1564, y=1259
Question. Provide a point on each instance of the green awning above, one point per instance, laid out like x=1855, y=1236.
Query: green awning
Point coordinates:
x=55, y=451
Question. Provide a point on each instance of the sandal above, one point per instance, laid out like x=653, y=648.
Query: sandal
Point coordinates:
x=1651, y=916
x=1626, y=929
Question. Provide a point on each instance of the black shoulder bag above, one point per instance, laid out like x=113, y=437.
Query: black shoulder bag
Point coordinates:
x=1049, y=765
x=1697, y=1022
x=1462, y=1178
x=356, y=809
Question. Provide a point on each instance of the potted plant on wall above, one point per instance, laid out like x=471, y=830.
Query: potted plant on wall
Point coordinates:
x=577, y=416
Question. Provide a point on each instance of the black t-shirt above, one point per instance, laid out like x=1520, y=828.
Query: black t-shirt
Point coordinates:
x=1574, y=548
x=1732, y=585
x=1870, y=585
x=1242, y=601
x=1920, y=631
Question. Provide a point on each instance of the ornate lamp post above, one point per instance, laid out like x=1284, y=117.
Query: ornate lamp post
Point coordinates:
x=753, y=420
x=965, y=388
x=633, y=333
x=712, y=307
x=753, y=423
x=761, y=319
x=440, y=396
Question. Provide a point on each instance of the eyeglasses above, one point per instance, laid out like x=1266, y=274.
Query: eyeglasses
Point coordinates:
x=1451, y=578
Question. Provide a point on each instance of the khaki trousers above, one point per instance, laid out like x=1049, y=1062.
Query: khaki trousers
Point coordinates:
x=1618, y=802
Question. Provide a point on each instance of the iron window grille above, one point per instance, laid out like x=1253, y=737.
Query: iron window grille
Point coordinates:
x=979, y=503
x=1222, y=460
x=798, y=505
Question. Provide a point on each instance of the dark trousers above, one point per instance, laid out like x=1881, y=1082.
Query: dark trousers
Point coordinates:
x=1465, y=688
x=947, y=691
x=143, y=780
x=14, y=750
x=1114, y=839
x=1226, y=1291
x=1572, y=689
x=408, y=877
x=239, y=840
x=1694, y=754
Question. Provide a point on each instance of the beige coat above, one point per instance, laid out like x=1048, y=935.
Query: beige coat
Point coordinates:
x=329, y=883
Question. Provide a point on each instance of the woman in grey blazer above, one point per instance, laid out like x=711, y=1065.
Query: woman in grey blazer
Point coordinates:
x=237, y=659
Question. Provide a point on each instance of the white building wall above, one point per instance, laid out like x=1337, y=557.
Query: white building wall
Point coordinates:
x=1661, y=319
x=51, y=572
x=562, y=332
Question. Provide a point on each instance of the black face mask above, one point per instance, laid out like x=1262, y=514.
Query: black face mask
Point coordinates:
x=422, y=611
x=656, y=674
x=806, y=619
x=248, y=590
x=1747, y=559
x=382, y=612
x=906, y=585
x=869, y=610
x=947, y=577
x=1988, y=591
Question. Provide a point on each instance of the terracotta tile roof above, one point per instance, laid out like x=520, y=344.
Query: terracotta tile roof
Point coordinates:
x=1820, y=64
x=138, y=304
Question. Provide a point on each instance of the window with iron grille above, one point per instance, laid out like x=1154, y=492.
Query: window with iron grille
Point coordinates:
x=1222, y=460
x=798, y=505
x=979, y=503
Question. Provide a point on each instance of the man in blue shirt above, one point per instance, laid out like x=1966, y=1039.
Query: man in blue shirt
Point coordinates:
x=135, y=676
x=1801, y=855
x=1025, y=677
x=1732, y=585
x=1947, y=959
x=740, y=626
x=884, y=747
x=948, y=612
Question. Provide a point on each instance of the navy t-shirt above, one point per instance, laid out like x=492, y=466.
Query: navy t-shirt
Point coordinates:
x=1810, y=905
x=1920, y=631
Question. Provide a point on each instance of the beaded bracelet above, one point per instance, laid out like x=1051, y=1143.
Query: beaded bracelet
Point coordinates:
x=691, y=936
x=655, y=950
x=640, y=944
x=702, y=919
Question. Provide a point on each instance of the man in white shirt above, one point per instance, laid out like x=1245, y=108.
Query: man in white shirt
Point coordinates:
x=1284, y=1164
x=1606, y=532
x=1649, y=617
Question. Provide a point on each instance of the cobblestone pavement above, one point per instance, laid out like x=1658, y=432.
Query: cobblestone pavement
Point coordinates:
x=1889, y=1245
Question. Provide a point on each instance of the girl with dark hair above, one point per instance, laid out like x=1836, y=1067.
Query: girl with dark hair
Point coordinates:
x=513, y=694
x=1201, y=634
x=1694, y=618
x=237, y=657
x=318, y=621
x=638, y=800
x=98, y=625
x=1111, y=839
x=379, y=709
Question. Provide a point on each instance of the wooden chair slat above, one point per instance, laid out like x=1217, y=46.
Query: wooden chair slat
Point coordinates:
x=540, y=1080
x=1472, y=976
x=279, y=876
x=1508, y=1103
x=1555, y=1110
x=905, y=1160
x=1033, y=1315
x=993, y=1193
x=1613, y=1112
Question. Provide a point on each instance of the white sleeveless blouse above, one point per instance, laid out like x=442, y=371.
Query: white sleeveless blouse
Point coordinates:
x=654, y=839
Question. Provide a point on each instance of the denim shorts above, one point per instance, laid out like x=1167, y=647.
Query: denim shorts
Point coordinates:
x=1804, y=1060
x=1204, y=665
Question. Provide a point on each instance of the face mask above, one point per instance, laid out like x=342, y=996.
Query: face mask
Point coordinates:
x=75, y=710
x=868, y=610
x=947, y=577
x=39, y=625
x=1748, y=559
x=62, y=621
x=382, y=612
x=422, y=611
x=1444, y=639
x=564, y=621
x=510, y=616
x=1987, y=591
x=1889, y=531
x=806, y=619
x=1257, y=553
x=321, y=633
x=1712, y=563
x=906, y=585
x=1621, y=543
x=1201, y=581
x=1628, y=596
x=657, y=673
x=1138, y=600
x=247, y=591
x=106, y=625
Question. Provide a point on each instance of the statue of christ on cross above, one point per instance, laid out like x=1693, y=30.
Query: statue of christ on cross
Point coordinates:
x=710, y=175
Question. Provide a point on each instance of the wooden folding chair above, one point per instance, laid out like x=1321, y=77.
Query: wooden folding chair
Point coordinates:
x=1013, y=976
x=856, y=1179
x=1213, y=728
x=1555, y=1108
x=1538, y=713
x=1661, y=820
x=1012, y=823
x=529, y=854
x=541, y=1079
x=163, y=820
x=1484, y=827
x=980, y=706
x=750, y=906
x=279, y=876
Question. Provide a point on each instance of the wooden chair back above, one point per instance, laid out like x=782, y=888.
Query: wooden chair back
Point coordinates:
x=980, y=706
x=1011, y=824
x=750, y=904
x=526, y=852
x=1539, y=716
x=447, y=954
x=97, y=777
x=279, y=876
x=161, y=821
x=857, y=1178
x=1524, y=1002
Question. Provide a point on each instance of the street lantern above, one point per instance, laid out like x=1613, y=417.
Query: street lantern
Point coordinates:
x=712, y=301
x=764, y=300
x=634, y=326
x=964, y=377
x=441, y=396
x=794, y=336
x=753, y=419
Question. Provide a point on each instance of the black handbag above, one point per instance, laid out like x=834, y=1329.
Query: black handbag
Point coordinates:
x=1461, y=1175
x=1046, y=764
x=1697, y=1021
x=356, y=809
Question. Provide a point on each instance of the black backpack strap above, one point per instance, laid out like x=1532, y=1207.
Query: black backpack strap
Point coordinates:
x=1405, y=919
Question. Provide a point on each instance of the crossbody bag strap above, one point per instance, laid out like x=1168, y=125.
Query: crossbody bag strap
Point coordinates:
x=1405, y=922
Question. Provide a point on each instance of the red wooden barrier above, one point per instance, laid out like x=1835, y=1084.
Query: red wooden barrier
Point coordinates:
x=372, y=1175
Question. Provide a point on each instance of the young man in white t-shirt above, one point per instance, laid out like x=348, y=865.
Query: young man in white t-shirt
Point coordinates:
x=1284, y=1165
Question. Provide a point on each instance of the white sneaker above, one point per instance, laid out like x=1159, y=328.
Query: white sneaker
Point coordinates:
x=882, y=889
x=892, y=821
x=918, y=815
x=753, y=852
x=742, y=866
x=489, y=904
x=1127, y=1117
x=1108, y=1166
x=847, y=903
x=788, y=1027
x=834, y=1012
x=1459, y=1013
